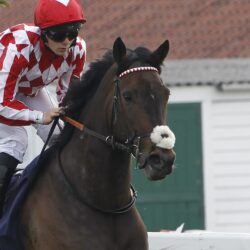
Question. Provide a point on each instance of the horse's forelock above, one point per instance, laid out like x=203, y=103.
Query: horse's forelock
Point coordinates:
x=140, y=54
x=145, y=56
x=82, y=90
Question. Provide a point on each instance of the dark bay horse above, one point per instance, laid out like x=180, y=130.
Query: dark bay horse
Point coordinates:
x=82, y=199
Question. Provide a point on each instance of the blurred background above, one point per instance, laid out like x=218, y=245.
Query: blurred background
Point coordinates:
x=208, y=73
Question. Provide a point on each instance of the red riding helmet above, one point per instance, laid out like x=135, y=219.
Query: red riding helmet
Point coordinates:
x=55, y=12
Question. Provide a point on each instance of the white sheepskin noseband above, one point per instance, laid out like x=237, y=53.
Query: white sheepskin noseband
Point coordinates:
x=163, y=137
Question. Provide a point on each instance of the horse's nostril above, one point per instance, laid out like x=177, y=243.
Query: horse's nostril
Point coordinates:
x=155, y=161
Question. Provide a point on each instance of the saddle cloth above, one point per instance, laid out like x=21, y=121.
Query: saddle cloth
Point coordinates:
x=10, y=232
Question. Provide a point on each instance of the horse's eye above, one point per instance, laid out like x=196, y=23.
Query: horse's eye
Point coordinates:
x=127, y=96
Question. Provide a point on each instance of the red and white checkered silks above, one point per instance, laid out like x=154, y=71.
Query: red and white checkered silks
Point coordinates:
x=26, y=65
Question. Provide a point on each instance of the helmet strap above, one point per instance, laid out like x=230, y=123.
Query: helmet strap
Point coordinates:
x=73, y=43
x=43, y=36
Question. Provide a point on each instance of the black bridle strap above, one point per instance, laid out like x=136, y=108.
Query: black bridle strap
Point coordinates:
x=116, y=100
x=117, y=95
x=126, y=146
x=107, y=139
x=116, y=211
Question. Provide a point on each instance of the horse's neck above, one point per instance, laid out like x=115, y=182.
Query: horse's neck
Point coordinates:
x=91, y=163
x=97, y=170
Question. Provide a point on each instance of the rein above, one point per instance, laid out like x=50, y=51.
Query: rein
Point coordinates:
x=131, y=145
x=107, y=139
x=117, y=211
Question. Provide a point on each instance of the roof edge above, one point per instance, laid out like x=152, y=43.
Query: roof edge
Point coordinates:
x=206, y=71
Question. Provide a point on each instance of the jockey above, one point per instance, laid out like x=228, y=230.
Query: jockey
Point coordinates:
x=31, y=57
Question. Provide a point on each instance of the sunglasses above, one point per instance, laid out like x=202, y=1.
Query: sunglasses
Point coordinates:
x=60, y=36
x=59, y=33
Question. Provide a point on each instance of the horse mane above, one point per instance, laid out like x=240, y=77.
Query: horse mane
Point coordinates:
x=82, y=90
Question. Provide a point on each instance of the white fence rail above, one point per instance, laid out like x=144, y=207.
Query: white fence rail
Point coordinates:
x=200, y=240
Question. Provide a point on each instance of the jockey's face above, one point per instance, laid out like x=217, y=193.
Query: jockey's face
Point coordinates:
x=59, y=48
x=60, y=37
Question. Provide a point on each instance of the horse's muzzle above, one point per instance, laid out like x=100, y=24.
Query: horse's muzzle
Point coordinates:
x=157, y=164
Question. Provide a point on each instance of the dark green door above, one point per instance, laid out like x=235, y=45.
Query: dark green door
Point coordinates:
x=177, y=199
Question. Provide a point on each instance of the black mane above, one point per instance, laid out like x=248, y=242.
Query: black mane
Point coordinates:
x=81, y=91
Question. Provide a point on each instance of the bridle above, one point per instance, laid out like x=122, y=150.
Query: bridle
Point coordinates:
x=131, y=145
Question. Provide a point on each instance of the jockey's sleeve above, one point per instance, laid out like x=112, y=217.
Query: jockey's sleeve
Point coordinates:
x=12, y=111
x=76, y=69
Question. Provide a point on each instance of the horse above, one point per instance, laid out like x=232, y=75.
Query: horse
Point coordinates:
x=83, y=198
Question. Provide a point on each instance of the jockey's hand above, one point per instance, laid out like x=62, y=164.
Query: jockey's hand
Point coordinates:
x=49, y=116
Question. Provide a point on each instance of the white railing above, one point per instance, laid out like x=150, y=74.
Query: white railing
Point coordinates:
x=199, y=240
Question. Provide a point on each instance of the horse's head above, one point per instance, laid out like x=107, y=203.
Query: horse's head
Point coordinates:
x=125, y=92
x=139, y=108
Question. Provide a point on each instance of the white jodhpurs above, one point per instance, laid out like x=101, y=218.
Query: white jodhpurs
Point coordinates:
x=14, y=139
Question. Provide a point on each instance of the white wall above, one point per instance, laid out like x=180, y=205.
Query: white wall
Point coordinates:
x=226, y=158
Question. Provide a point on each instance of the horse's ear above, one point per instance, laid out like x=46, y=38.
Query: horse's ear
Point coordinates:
x=160, y=54
x=119, y=50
